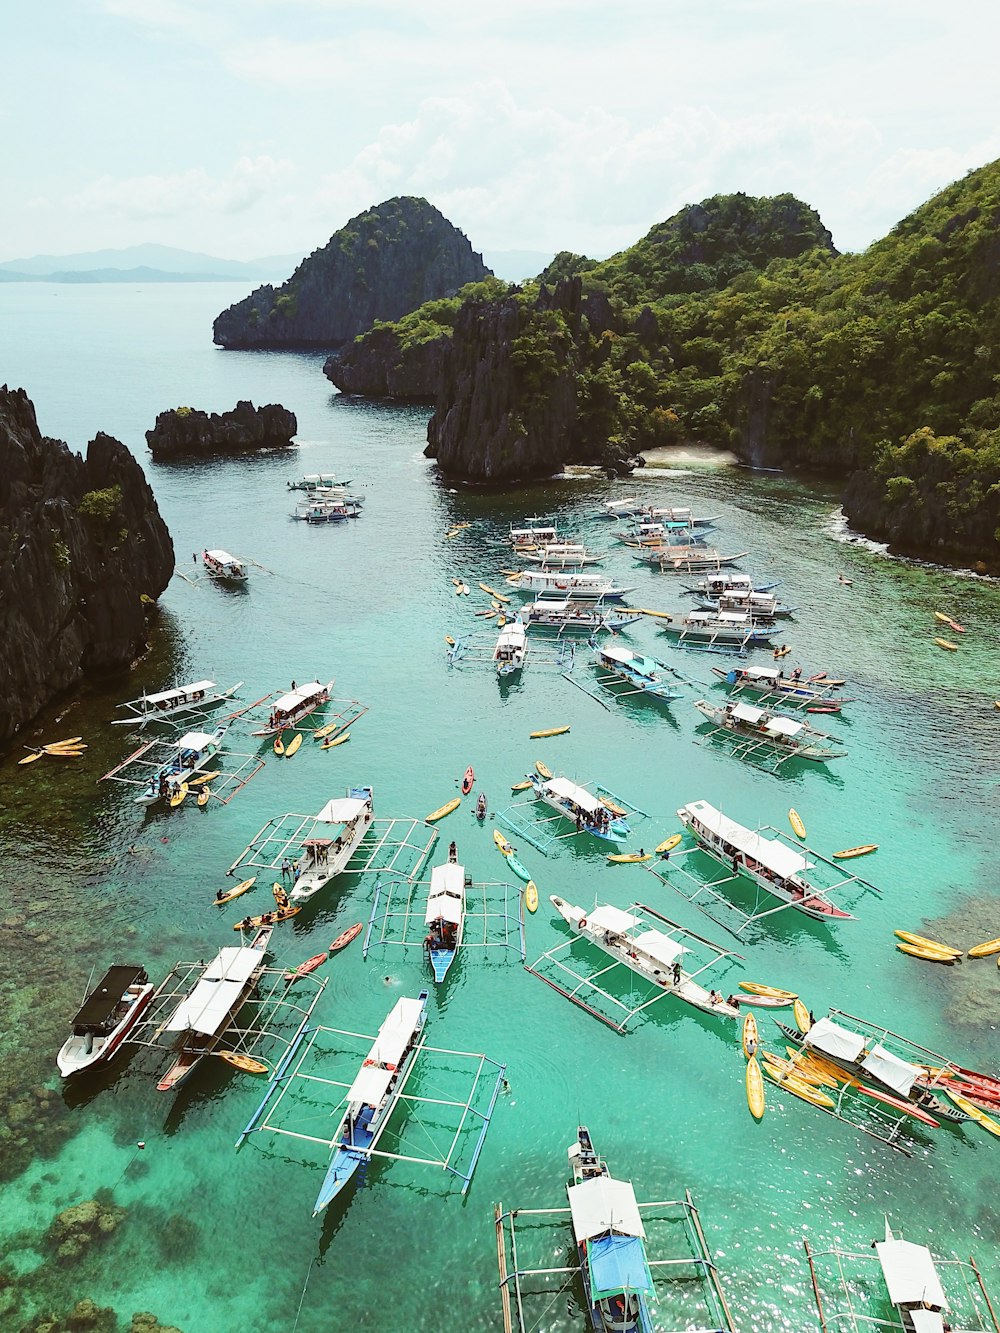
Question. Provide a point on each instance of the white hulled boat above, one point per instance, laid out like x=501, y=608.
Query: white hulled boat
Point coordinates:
x=773, y=681
x=661, y=534
x=292, y=707
x=774, y=731
x=644, y=674
x=323, y=857
x=570, y=616
x=105, y=1019
x=197, y=697
x=715, y=585
x=687, y=559
x=445, y=916
x=317, y=481
x=581, y=807
x=192, y=754
x=679, y=514
x=562, y=555
x=578, y=586
x=322, y=508
x=712, y=629
x=534, y=534
x=224, y=567
x=511, y=648
x=760, y=606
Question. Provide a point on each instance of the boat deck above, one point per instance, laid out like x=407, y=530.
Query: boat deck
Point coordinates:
x=389, y=847
x=493, y=917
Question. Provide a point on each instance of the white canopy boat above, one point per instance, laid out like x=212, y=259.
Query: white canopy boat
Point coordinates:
x=374, y=1094
x=445, y=916
x=654, y=955
x=579, y=586
x=760, y=727
x=644, y=674
x=224, y=567
x=777, y=868
x=201, y=1019
x=679, y=514
x=105, y=1019
x=326, y=509
x=913, y=1284
x=316, y=481
x=714, y=585
x=661, y=534
x=621, y=508
x=711, y=629
x=570, y=616
x=540, y=534
x=581, y=807
x=759, y=606
x=687, y=559
x=773, y=681
x=562, y=555
x=193, y=754
x=323, y=857
x=291, y=708
x=197, y=697
x=511, y=648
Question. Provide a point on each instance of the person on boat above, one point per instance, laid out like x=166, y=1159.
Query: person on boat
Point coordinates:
x=286, y=869
x=715, y=997
x=453, y=851
x=734, y=1001
x=677, y=974
x=219, y=893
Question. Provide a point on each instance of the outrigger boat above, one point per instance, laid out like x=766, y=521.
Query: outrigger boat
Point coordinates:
x=654, y=955
x=193, y=754
x=316, y=481
x=197, y=697
x=578, y=586
x=679, y=514
x=540, y=534
x=323, y=858
x=626, y=508
x=224, y=567
x=644, y=674
x=511, y=648
x=576, y=804
x=760, y=606
x=561, y=555
x=772, y=682
x=327, y=509
x=105, y=1019
x=610, y=1240
x=777, y=868
x=445, y=916
x=687, y=559
x=581, y=617
x=722, y=629
x=374, y=1094
x=202, y=1018
x=291, y=708
x=716, y=585
x=656, y=535
x=760, y=727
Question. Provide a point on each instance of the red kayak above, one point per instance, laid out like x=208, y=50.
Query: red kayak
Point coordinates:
x=303, y=969
x=901, y=1105
x=468, y=780
x=343, y=940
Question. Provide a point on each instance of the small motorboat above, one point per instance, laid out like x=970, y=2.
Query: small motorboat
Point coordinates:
x=105, y=1019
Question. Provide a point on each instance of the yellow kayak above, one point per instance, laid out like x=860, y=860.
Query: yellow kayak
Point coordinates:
x=70, y=744
x=202, y=778
x=543, y=770
x=493, y=593
x=235, y=893
x=799, y=1088
x=668, y=844
x=975, y=1112
x=631, y=858
x=503, y=846
x=945, y=643
x=30, y=758
x=751, y=1037
x=552, y=731
x=801, y=1065
x=244, y=1062
x=531, y=896
x=457, y=583
x=864, y=850
x=337, y=740
x=462, y=590
x=443, y=810
x=279, y=744
x=615, y=809
x=74, y=752
x=204, y=795
x=979, y=951
x=795, y=819
x=449, y=641
x=293, y=745
x=755, y=988
x=324, y=731
x=179, y=795
x=520, y=786
x=659, y=615
x=935, y=946
x=802, y=1020
x=928, y=955
x=755, y=1088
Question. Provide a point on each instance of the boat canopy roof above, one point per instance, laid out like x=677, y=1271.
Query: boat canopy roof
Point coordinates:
x=769, y=852
x=601, y=1206
x=898, y=1074
x=342, y=810
x=221, y=985
x=831, y=1039
x=756, y=673
x=222, y=557
x=618, y=1264
x=196, y=740
x=396, y=1032
x=927, y=1321
x=909, y=1273
x=569, y=791
x=659, y=946
x=447, y=894
x=165, y=696
x=104, y=999
x=613, y=918
x=783, y=726
x=295, y=698
x=370, y=1085
x=548, y=577
x=513, y=635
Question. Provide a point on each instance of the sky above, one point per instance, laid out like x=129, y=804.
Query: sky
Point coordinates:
x=243, y=128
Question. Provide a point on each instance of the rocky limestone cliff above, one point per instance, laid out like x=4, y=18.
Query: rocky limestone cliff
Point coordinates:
x=381, y=265
x=183, y=432
x=379, y=367
x=84, y=554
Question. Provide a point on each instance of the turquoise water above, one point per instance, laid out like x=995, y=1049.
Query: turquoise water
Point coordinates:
x=214, y=1240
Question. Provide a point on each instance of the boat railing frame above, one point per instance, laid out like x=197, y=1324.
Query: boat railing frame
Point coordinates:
x=383, y=910
x=534, y=830
x=745, y=746
x=407, y=854
x=143, y=760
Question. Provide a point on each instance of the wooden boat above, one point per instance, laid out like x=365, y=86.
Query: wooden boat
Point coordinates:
x=468, y=780
x=644, y=674
x=975, y=1112
x=543, y=769
x=928, y=955
x=337, y=831
x=944, y=643
x=631, y=858
x=802, y=1020
x=921, y=941
x=864, y=850
x=579, y=806
x=279, y=743
x=224, y=567
x=196, y=697
x=293, y=745
x=552, y=731
x=771, y=992
x=274, y=918
x=178, y=795
x=204, y=796
x=203, y=1017
x=443, y=810
x=772, y=682
x=733, y=630
x=947, y=620
x=750, y=1036
x=984, y=950
x=531, y=896
x=755, y=1088
x=289, y=709
x=798, y=828
x=246, y=1063
x=235, y=893
x=511, y=648
x=445, y=915
x=374, y=1094
x=345, y=937
x=303, y=969
x=757, y=728
x=668, y=844
x=104, y=1020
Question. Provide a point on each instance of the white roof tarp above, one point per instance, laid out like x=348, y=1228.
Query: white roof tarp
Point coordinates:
x=295, y=698
x=512, y=635
x=909, y=1273
x=395, y=1033
x=370, y=1085
x=195, y=740
x=600, y=1205
x=446, y=899
x=783, y=726
x=733, y=618
x=889, y=1069
x=830, y=1039
x=659, y=946
x=927, y=1321
x=222, y=557
x=758, y=673
x=213, y=998
x=165, y=696
x=784, y=861
x=341, y=810
x=747, y=713
x=612, y=918
x=569, y=791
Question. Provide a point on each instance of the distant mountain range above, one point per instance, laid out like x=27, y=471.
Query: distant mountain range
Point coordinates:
x=164, y=263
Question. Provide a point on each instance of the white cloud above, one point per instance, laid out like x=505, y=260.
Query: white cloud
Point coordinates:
x=172, y=196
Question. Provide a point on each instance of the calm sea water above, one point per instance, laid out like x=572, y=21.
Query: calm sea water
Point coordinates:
x=212, y=1239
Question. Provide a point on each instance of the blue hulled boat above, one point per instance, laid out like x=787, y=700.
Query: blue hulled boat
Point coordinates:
x=445, y=916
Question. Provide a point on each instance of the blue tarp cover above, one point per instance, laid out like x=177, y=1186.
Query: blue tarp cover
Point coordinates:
x=617, y=1264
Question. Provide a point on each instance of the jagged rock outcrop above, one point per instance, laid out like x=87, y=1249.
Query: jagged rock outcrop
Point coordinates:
x=381, y=265
x=183, y=432
x=84, y=554
x=380, y=367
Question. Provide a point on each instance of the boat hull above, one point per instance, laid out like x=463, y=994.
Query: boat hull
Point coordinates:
x=73, y=1059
